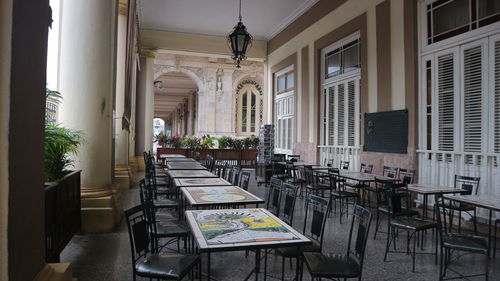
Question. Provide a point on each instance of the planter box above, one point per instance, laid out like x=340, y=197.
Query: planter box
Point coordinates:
x=247, y=158
x=62, y=214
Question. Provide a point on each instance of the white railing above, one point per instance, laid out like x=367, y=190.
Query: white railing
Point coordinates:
x=334, y=154
x=439, y=167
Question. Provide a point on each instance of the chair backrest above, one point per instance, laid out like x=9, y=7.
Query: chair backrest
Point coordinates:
x=299, y=174
x=229, y=174
x=366, y=168
x=334, y=176
x=390, y=172
x=317, y=209
x=289, y=192
x=235, y=178
x=330, y=162
x=407, y=176
x=274, y=196
x=244, y=180
x=293, y=157
x=358, y=235
x=441, y=214
x=278, y=168
x=471, y=184
x=344, y=165
x=382, y=188
x=139, y=232
x=308, y=175
x=143, y=192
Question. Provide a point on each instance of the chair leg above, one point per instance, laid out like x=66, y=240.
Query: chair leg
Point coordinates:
x=377, y=222
x=387, y=243
x=282, y=268
x=414, y=251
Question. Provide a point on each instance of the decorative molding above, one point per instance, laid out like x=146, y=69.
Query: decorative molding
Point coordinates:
x=123, y=7
x=150, y=53
x=291, y=18
x=248, y=82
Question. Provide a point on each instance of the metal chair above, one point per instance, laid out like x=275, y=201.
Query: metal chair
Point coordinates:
x=244, y=180
x=273, y=202
x=390, y=172
x=146, y=261
x=396, y=222
x=349, y=265
x=316, y=212
x=289, y=193
x=339, y=192
x=344, y=165
x=457, y=242
x=235, y=179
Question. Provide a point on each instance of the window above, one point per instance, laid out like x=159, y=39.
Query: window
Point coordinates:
x=249, y=108
x=340, y=101
x=284, y=107
x=448, y=18
x=342, y=59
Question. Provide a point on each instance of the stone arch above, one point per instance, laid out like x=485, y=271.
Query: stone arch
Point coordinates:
x=164, y=69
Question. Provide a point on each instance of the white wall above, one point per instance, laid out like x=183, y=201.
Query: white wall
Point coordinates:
x=5, y=58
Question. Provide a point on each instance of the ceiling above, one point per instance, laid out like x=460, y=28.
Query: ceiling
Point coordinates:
x=176, y=87
x=263, y=18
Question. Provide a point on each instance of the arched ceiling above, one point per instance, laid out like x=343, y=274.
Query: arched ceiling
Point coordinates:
x=176, y=86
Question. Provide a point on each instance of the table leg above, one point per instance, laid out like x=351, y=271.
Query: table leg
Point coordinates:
x=489, y=233
x=257, y=264
x=208, y=266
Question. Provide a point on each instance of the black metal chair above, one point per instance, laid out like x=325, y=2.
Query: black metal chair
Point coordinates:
x=344, y=165
x=339, y=192
x=451, y=242
x=289, y=193
x=390, y=172
x=145, y=195
x=235, y=179
x=316, y=212
x=397, y=222
x=349, y=265
x=407, y=176
x=244, y=180
x=146, y=260
x=383, y=207
x=293, y=157
x=273, y=202
x=471, y=184
x=314, y=184
x=280, y=171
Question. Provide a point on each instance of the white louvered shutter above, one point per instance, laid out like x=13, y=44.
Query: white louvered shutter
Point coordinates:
x=472, y=98
x=351, y=99
x=446, y=92
x=331, y=115
x=497, y=95
x=341, y=115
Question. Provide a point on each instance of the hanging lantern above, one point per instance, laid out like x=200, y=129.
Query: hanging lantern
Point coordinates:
x=239, y=40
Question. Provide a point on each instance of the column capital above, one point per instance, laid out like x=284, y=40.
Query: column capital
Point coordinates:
x=150, y=53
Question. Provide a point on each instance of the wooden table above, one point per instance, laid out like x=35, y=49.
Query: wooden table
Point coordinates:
x=489, y=202
x=185, y=166
x=189, y=174
x=214, y=196
x=431, y=189
x=201, y=182
x=171, y=160
x=241, y=229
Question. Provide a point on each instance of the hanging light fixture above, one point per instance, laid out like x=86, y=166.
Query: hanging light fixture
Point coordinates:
x=239, y=40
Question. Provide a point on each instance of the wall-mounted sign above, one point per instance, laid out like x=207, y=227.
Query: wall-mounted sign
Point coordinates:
x=386, y=131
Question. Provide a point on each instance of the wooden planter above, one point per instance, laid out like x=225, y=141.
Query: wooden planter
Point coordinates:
x=62, y=214
x=247, y=158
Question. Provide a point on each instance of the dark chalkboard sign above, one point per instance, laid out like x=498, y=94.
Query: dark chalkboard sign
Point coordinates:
x=386, y=131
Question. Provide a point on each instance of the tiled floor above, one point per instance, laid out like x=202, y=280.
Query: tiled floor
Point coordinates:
x=106, y=257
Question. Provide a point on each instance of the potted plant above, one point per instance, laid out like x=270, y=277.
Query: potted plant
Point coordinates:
x=176, y=141
x=207, y=142
x=224, y=142
x=191, y=142
x=161, y=139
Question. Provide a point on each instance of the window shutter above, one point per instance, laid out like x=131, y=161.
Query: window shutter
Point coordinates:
x=472, y=99
x=341, y=115
x=446, y=102
x=497, y=96
x=350, y=112
x=331, y=116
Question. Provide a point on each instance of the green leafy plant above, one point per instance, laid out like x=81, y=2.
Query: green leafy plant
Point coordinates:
x=60, y=144
x=247, y=142
x=176, y=141
x=191, y=142
x=224, y=142
x=161, y=138
x=255, y=142
x=55, y=96
x=207, y=142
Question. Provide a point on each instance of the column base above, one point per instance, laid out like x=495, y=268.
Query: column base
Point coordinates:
x=55, y=272
x=140, y=164
x=132, y=163
x=102, y=209
x=123, y=176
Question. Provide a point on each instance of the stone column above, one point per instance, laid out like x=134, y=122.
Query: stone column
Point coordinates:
x=87, y=57
x=123, y=174
x=144, y=107
x=132, y=160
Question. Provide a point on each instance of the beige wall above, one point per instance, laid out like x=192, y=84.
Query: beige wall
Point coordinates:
x=191, y=43
x=5, y=49
x=335, y=19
